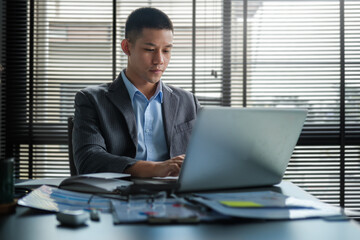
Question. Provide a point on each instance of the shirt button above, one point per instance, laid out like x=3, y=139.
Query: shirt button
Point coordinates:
x=147, y=130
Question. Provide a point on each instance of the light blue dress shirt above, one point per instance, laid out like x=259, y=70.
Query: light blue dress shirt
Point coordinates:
x=149, y=122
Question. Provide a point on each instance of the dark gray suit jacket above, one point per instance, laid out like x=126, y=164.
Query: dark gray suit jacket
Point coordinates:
x=105, y=134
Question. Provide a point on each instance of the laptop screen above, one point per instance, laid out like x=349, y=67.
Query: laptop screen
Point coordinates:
x=240, y=147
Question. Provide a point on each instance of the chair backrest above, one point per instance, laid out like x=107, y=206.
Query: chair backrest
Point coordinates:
x=73, y=170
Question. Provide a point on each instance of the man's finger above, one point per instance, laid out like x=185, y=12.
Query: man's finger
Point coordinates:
x=177, y=162
x=179, y=157
x=174, y=170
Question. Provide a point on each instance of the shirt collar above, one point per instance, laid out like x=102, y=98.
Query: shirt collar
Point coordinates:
x=132, y=90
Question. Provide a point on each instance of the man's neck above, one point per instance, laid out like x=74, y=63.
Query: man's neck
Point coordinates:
x=146, y=88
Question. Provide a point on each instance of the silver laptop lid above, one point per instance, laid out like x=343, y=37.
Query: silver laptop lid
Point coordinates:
x=240, y=147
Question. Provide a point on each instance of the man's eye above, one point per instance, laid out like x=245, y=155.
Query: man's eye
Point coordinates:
x=149, y=49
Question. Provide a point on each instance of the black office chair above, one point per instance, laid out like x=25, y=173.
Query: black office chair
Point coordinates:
x=73, y=170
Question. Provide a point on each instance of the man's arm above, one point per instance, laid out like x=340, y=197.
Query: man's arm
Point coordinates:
x=90, y=150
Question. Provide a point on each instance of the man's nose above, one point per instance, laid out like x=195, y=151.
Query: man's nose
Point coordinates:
x=158, y=58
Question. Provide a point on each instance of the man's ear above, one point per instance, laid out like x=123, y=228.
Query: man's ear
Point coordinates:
x=125, y=46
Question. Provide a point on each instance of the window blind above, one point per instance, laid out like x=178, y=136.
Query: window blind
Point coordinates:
x=352, y=103
x=293, y=60
x=15, y=78
x=69, y=46
x=286, y=54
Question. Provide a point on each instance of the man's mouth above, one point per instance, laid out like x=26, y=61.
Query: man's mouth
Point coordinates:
x=156, y=70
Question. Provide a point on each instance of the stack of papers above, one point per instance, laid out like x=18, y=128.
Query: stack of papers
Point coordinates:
x=56, y=200
x=93, y=182
x=255, y=205
x=265, y=205
x=164, y=210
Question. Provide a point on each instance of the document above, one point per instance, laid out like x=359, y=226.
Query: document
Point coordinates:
x=265, y=205
x=53, y=199
x=107, y=175
x=35, y=183
x=79, y=179
x=257, y=199
x=133, y=209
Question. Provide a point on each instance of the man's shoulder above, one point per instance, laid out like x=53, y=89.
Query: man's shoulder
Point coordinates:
x=103, y=89
x=98, y=89
x=93, y=93
x=178, y=91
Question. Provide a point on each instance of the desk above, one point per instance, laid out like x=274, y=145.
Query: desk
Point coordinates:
x=32, y=224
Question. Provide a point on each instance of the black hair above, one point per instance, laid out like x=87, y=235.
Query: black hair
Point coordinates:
x=146, y=17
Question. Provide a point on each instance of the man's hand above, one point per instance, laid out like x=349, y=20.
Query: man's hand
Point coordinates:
x=169, y=167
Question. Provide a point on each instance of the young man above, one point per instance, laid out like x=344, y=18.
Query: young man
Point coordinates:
x=136, y=124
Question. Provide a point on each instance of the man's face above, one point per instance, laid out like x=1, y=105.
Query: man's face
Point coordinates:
x=149, y=55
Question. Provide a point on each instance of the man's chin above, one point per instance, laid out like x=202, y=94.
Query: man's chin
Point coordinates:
x=153, y=80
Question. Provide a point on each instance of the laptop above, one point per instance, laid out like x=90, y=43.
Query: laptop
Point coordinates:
x=236, y=148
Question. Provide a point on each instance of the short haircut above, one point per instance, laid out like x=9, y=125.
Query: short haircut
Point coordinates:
x=146, y=17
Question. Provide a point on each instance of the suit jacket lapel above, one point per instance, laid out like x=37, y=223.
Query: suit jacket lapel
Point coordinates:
x=119, y=96
x=170, y=108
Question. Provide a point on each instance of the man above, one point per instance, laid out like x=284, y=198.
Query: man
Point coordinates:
x=136, y=124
